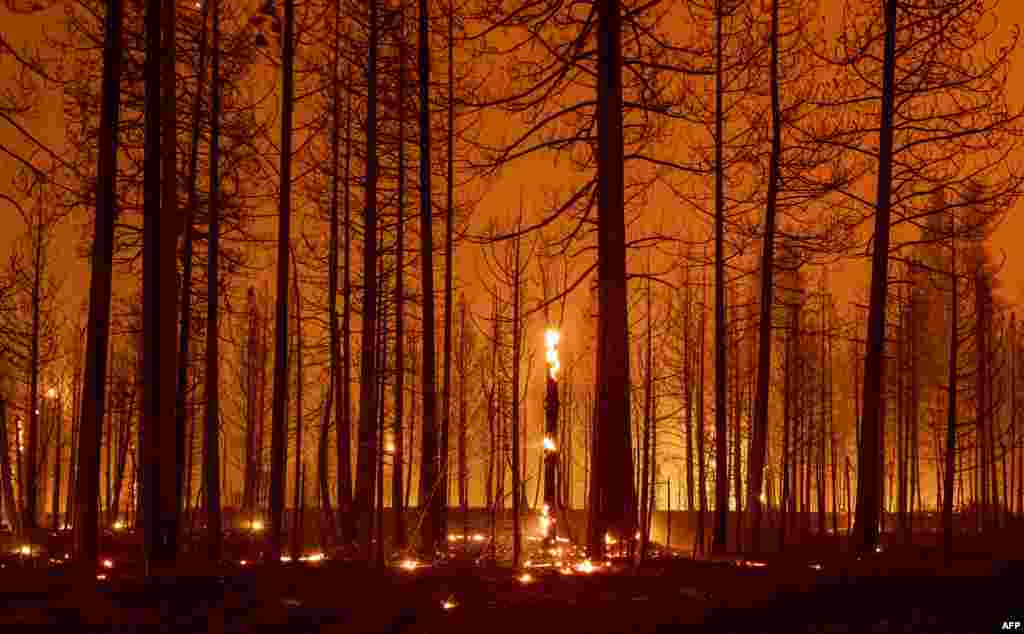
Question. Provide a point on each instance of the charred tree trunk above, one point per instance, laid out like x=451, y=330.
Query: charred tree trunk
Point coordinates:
x=344, y=413
x=517, y=337
x=211, y=457
x=297, y=511
x=869, y=471
x=613, y=499
x=446, y=393
x=366, y=455
x=161, y=446
x=397, y=494
x=951, y=407
x=335, y=389
x=431, y=532
x=718, y=541
x=185, y=329
x=278, y=431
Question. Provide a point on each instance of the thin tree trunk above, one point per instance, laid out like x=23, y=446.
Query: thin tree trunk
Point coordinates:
x=718, y=542
x=210, y=436
x=57, y=451
x=446, y=391
x=702, y=488
x=951, y=406
x=336, y=377
x=296, y=546
x=366, y=455
x=185, y=329
x=31, y=473
x=517, y=337
x=344, y=422
x=397, y=496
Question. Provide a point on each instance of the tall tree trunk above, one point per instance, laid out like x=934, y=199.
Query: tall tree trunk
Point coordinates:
x=211, y=457
x=869, y=471
x=57, y=451
x=613, y=499
x=279, y=439
x=32, y=467
x=344, y=414
x=296, y=546
x=160, y=443
x=446, y=392
x=431, y=530
x=397, y=494
x=718, y=542
x=252, y=407
x=688, y=393
x=951, y=406
x=366, y=456
x=823, y=425
x=463, y=419
x=340, y=417
x=185, y=329
x=517, y=343
x=645, y=468
x=702, y=489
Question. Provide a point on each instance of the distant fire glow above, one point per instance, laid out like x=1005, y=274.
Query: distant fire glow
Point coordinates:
x=549, y=444
x=551, y=337
x=256, y=526
x=118, y=525
x=410, y=564
x=108, y=563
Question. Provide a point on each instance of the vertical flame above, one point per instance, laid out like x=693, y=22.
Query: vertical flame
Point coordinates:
x=551, y=337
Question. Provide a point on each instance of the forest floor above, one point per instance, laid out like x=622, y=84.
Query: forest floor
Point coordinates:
x=810, y=588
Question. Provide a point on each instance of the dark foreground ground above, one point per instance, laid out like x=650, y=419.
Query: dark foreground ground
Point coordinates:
x=894, y=591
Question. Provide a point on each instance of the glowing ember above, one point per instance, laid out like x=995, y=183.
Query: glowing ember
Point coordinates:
x=256, y=525
x=878, y=549
x=101, y=577
x=50, y=393
x=108, y=563
x=525, y=578
x=565, y=570
x=816, y=566
x=551, y=344
x=449, y=603
x=585, y=567
x=609, y=540
x=389, y=448
x=285, y=558
x=549, y=445
x=243, y=563
x=763, y=498
x=410, y=564
x=25, y=550
x=313, y=557
x=477, y=537
x=637, y=536
x=756, y=564
x=118, y=525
